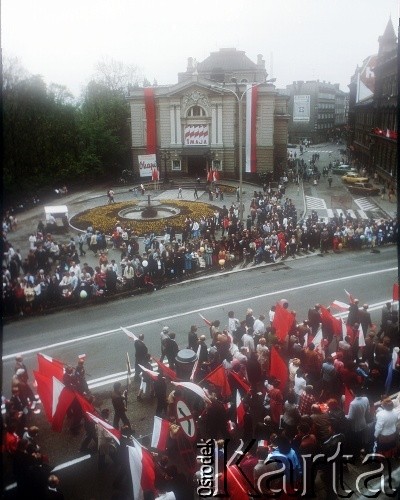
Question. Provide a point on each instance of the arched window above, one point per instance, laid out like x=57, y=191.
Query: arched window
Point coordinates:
x=196, y=111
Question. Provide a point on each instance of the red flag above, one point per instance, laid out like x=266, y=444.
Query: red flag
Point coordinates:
x=84, y=403
x=207, y=321
x=56, y=399
x=239, y=410
x=279, y=368
x=111, y=431
x=243, y=384
x=160, y=433
x=142, y=468
x=218, y=378
x=395, y=292
x=151, y=128
x=283, y=320
x=335, y=324
x=238, y=486
x=50, y=367
x=153, y=375
x=165, y=370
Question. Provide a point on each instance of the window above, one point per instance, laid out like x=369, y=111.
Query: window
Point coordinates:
x=176, y=165
x=196, y=111
x=217, y=165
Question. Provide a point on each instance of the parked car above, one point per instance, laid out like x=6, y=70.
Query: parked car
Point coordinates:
x=364, y=188
x=352, y=177
x=343, y=169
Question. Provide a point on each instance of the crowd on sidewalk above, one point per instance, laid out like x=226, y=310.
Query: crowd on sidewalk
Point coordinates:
x=295, y=388
x=55, y=274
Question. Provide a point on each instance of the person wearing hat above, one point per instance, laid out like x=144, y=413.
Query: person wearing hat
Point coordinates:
x=164, y=337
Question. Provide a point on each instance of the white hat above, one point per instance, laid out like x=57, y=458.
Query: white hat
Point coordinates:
x=20, y=371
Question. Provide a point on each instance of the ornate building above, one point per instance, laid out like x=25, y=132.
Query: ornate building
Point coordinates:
x=373, y=110
x=193, y=126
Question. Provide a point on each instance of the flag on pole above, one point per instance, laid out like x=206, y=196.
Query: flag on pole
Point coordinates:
x=340, y=306
x=239, y=410
x=207, y=321
x=350, y=297
x=194, y=388
x=56, y=399
x=160, y=433
x=361, y=338
x=50, y=367
x=151, y=128
x=110, y=430
x=317, y=340
x=196, y=364
x=333, y=323
x=239, y=382
x=128, y=367
x=218, y=378
x=142, y=469
x=279, y=368
x=251, y=128
x=153, y=375
x=165, y=370
x=130, y=334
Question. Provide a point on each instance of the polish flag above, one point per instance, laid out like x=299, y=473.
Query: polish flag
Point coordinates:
x=209, y=175
x=251, y=129
x=215, y=175
x=56, y=399
x=130, y=334
x=349, y=296
x=84, y=403
x=239, y=411
x=50, y=367
x=317, y=340
x=218, y=378
x=207, y=321
x=111, y=431
x=155, y=175
x=196, y=364
x=153, y=375
x=340, y=306
x=262, y=443
x=128, y=368
x=361, y=338
x=240, y=382
x=165, y=370
x=194, y=388
x=142, y=469
x=160, y=434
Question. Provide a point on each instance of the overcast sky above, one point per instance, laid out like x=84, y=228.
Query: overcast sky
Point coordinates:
x=299, y=39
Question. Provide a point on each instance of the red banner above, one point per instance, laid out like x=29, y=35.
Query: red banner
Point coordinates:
x=150, y=105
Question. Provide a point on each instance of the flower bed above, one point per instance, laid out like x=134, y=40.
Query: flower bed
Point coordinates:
x=104, y=218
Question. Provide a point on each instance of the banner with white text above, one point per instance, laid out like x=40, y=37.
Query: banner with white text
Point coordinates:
x=147, y=163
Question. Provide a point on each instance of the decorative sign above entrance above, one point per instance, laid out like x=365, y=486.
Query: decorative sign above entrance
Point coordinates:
x=196, y=135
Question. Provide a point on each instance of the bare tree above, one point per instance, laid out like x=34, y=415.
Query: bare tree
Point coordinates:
x=116, y=75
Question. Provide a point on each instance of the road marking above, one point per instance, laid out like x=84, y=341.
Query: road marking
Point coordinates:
x=196, y=311
x=315, y=203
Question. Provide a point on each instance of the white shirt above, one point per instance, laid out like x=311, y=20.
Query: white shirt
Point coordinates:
x=259, y=327
x=271, y=315
x=386, y=422
x=299, y=385
x=248, y=342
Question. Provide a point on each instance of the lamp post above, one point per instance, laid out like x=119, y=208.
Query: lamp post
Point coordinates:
x=165, y=156
x=239, y=99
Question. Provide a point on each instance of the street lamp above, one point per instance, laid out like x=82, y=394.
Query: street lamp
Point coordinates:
x=239, y=99
x=165, y=156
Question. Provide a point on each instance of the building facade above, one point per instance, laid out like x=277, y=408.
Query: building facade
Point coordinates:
x=196, y=121
x=317, y=109
x=373, y=114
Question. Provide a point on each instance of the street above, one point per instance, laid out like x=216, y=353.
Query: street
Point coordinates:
x=95, y=331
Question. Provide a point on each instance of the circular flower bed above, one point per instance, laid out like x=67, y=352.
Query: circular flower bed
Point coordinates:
x=104, y=218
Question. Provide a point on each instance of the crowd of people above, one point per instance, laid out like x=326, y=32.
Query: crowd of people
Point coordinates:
x=319, y=396
x=52, y=273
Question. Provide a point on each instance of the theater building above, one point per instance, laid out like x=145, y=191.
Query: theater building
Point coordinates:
x=193, y=126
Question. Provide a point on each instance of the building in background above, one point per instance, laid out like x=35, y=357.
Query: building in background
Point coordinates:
x=318, y=111
x=373, y=110
x=193, y=126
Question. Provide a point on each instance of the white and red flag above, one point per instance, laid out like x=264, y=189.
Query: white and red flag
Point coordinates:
x=361, y=338
x=155, y=174
x=142, y=469
x=206, y=321
x=153, y=375
x=111, y=431
x=350, y=297
x=196, y=364
x=239, y=411
x=340, y=306
x=251, y=128
x=160, y=434
x=50, y=367
x=55, y=397
x=215, y=175
x=165, y=370
x=194, y=388
x=130, y=334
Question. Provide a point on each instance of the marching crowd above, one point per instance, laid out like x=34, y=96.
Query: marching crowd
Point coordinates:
x=306, y=391
x=54, y=273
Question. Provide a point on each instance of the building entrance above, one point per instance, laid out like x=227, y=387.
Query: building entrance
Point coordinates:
x=196, y=166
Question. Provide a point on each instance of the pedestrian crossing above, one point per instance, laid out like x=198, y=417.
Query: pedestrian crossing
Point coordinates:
x=366, y=210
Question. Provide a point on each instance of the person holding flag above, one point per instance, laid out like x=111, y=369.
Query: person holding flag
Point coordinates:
x=119, y=402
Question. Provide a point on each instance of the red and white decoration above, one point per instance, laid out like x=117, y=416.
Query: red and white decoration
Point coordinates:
x=196, y=135
x=111, y=431
x=142, y=468
x=160, y=433
x=251, y=128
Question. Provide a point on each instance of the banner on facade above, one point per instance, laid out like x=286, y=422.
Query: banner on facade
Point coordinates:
x=147, y=164
x=196, y=135
x=301, y=108
x=151, y=130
